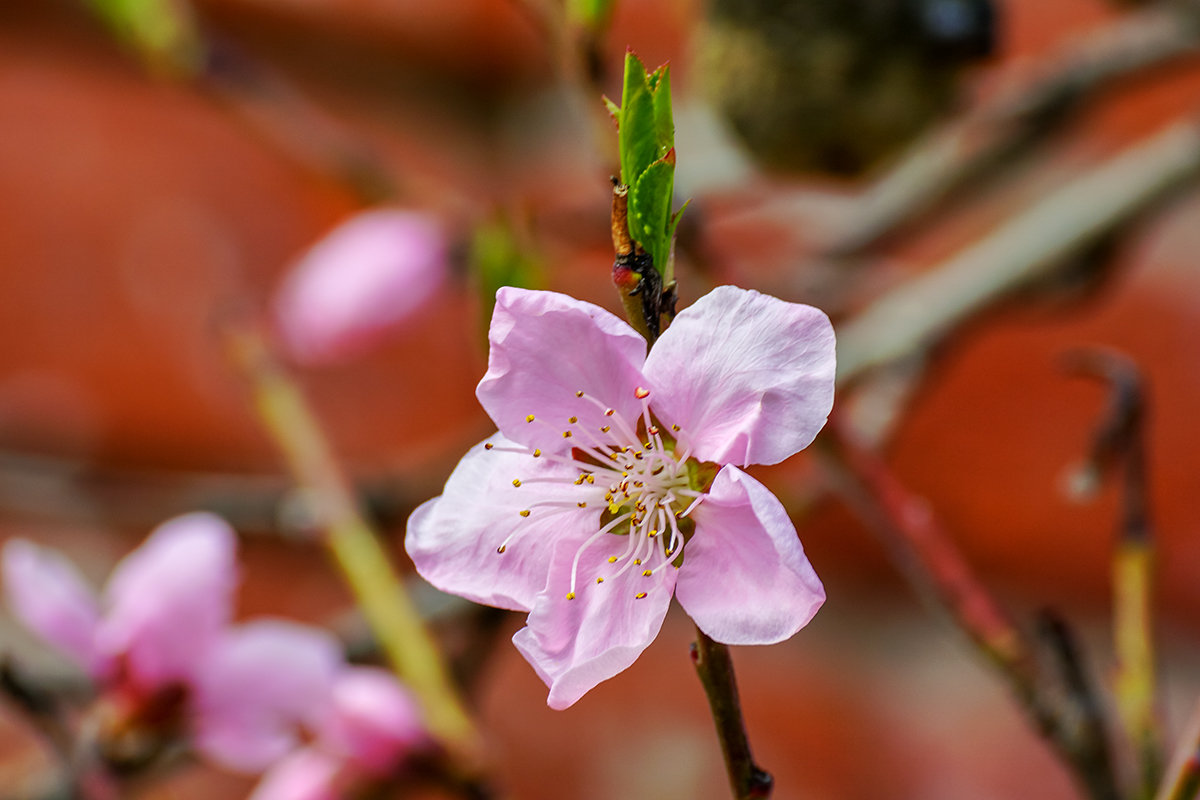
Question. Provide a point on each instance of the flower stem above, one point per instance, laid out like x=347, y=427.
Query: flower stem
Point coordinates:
x=1118, y=447
x=715, y=668
x=352, y=542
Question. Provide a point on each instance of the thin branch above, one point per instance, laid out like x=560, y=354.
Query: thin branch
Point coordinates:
x=916, y=315
x=1056, y=697
x=715, y=669
x=971, y=147
x=1119, y=445
x=352, y=542
x=1182, y=779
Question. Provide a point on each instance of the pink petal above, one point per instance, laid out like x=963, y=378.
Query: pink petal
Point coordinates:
x=306, y=774
x=454, y=539
x=749, y=377
x=262, y=683
x=575, y=644
x=546, y=347
x=375, y=722
x=169, y=600
x=745, y=578
x=49, y=596
x=355, y=285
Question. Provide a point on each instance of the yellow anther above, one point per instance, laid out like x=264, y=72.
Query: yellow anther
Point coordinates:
x=582, y=505
x=524, y=512
x=536, y=452
x=570, y=595
x=566, y=434
x=647, y=572
x=579, y=393
x=641, y=393
x=529, y=418
x=591, y=478
x=572, y=420
x=579, y=480
x=600, y=579
x=516, y=481
x=606, y=429
x=639, y=595
x=488, y=446
x=501, y=548
x=612, y=559
x=637, y=562
x=675, y=428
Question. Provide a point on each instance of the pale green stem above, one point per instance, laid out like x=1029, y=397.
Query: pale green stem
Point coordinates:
x=353, y=543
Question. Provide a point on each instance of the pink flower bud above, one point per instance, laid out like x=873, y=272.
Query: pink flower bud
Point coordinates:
x=358, y=283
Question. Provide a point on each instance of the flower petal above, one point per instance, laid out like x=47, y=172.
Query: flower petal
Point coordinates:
x=48, y=595
x=307, y=774
x=454, y=539
x=575, y=644
x=749, y=377
x=546, y=347
x=259, y=685
x=364, y=278
x=745, y=578
x=169, y=600
x=375, y=721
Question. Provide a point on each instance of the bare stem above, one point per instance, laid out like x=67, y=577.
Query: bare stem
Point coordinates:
x=1182, y=780
x=1056, y=694
x=353, y=544
x=715, y=668
x=1119, y=444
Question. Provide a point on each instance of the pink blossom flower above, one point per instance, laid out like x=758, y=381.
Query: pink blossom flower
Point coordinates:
x=359, y=282
x=603, y=493
x=160, y=644
x=374, y=724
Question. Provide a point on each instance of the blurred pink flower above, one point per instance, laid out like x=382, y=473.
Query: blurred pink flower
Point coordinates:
x=162, y=635
x=355, y=285
x=602, y=493
x=372, y=727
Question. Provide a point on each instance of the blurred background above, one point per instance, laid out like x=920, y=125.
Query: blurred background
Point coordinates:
x=970, y=188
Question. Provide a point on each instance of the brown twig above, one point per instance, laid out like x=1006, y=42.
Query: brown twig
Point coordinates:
x=971, y=147
x=1055, y=695
x=1119, y=446
x=715, y=669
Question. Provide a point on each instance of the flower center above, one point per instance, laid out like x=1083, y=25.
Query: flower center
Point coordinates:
x=636, y=471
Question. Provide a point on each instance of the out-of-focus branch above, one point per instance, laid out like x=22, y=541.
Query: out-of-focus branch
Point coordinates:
x=1182, y=778
x=715, y=669
x=1119, y=445
x=916, y=315
x=1055, y=694
x=970, y=148
x=350, y=539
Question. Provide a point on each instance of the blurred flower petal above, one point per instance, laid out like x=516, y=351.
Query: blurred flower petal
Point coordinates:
x=262, y=682
x=169, y=600
x=49, y=596
x=368, y=275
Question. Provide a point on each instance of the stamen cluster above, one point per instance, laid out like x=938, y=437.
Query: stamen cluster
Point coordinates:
x=632, y=468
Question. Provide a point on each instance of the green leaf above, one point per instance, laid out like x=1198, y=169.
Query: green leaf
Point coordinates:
x=664, y=123
x=650, y=210
x=635, y=128
x=646, y=141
